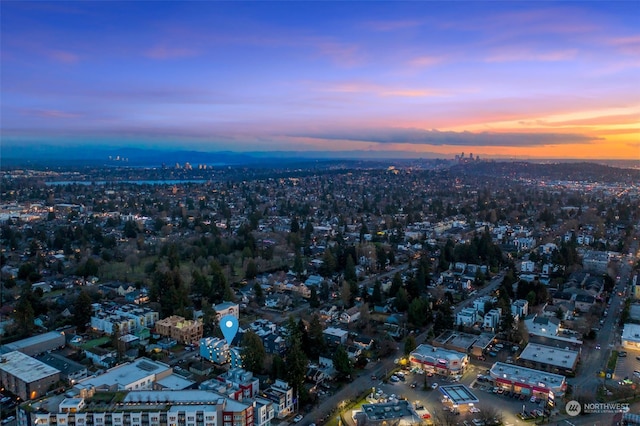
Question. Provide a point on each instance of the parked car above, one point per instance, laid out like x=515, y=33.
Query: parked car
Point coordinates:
x=434, y=386
x=297, y=418
x=622, y=354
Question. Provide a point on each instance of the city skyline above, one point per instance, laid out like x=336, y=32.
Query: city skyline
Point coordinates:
x=539, y=80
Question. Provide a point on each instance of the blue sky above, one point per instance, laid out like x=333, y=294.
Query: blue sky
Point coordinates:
x=500, y=78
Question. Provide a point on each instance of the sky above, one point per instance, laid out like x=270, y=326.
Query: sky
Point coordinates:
x=497, y=79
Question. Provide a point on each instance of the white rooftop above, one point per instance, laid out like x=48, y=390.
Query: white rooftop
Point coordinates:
x=175, y=382
x=525, y=375
x=183, y=397
x=631, y=332
x=25, y=368
x=564, y=358
x=126, y=374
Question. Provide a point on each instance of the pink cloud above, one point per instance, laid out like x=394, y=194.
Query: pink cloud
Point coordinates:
x=62, y=56
x=425, y=61
x=391, y=25
x=627, y=45
x=50, y=113
x=164, y=52
x=527, y=55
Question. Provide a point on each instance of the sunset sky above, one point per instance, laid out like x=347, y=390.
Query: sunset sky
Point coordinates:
x=515, y=79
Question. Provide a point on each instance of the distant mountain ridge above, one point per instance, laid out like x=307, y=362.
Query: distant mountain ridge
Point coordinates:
x=575, y=171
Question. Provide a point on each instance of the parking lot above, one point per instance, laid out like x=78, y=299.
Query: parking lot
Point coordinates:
x=420, y=389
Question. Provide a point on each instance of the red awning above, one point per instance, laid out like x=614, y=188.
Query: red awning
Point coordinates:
x=543, y=390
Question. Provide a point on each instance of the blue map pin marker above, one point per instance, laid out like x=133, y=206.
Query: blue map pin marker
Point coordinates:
x=229, y=327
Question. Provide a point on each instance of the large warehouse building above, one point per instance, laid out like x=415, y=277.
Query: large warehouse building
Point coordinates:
x=25, y=376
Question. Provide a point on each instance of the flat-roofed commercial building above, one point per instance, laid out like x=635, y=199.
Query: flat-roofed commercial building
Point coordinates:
x=549, y=358
x=631, y=336
x=439, y=360
x=25, y=376
x=36, y=345
x=140, y=374
x=528, y=381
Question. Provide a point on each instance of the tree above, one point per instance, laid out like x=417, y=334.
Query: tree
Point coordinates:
x=296, y=359
x=24, y=315
x=82, y=310
x=258, y=293
x=376, y=296
x=396, y=284
x=342, y=363
x=328, y=266
x=410, y=344
x=315, y=336
x=350, y=270
x=295, y=226
x=278, y=368
x=252, y=270
x=402, y=300
x=418, y=312
x=345, y=293
x=130, y=229
x=253, y=352
x=314, y=302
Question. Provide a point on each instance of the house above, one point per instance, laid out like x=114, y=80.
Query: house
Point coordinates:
x=227, y=308
x=542, y=326
x=520, y=308
x=467, y=317
x=335, y=336
x=215, y=350
x=350, y=315
x=492, y=319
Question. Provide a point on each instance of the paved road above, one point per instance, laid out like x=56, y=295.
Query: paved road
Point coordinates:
x=379, y=369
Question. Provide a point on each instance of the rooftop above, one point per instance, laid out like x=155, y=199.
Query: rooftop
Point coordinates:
x=631, y=332
x=125, y=374
x=34, y=340
x=459, y=394
x=389, y=410
x=525, y=375
x=26, y=368
x=563, y=358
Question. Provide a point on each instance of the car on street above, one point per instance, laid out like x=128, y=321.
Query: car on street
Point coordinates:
x=434, y=386
x=474, y=410
x=413, y=385
x=598, y=346
x=297, y=418
x=622, y=354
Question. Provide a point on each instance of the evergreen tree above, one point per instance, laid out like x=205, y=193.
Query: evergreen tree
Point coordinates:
x=342, y=363
x=376, y=296
x=350, y=270
x=410, y=344
x=402, y=301
x=314, y=302
x=278, y=368
x=82, y=310
x=296, y=359
x=258, y=293
x=252, y=270
x=253, y=352
x=396, y=284
x=317, y=344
